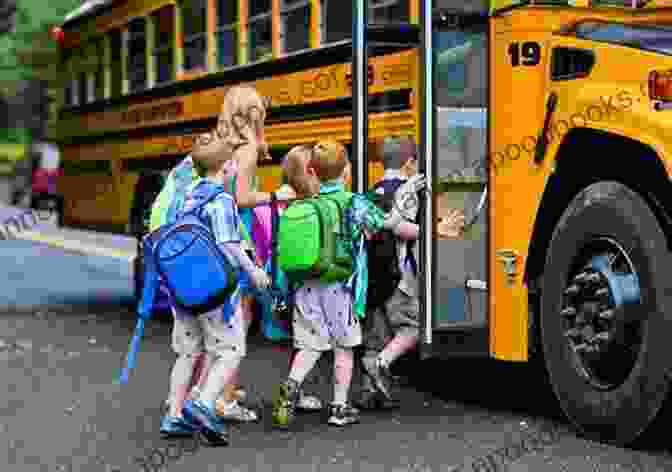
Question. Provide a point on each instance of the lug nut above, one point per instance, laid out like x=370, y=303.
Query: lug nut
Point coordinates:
x=601, y=292
x=581, y=347
x=568, y=312
x=601, y=337
x=572, y=290
x=572, y=333
x=607, y=314
x=593, y=278
x=582, y=277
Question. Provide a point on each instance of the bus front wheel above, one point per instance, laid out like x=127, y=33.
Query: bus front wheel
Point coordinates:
x=605, y=313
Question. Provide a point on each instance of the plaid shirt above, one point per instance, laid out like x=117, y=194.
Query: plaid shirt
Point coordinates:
x=362, y=216
x=171, y=197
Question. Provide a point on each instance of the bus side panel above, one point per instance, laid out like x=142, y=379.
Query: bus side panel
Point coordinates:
x=519, y=64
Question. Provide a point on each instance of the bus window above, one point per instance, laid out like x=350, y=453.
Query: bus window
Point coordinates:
x=94, y=71
x=388, y=11
x=295, y=23
x=461, y=97
x=80, y=77
x=164, y=36
x=260, y=30
x=460, y=56
x=226, y=34
x=99, y=71
x=70, y=85
x=137, y=55
x=194, y=14
x=115, y=63
x=336, y=21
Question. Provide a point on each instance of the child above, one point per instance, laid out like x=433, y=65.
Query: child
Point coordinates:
x=223, y=340
x=241, y=128
x=326, y=314
x=297, y=184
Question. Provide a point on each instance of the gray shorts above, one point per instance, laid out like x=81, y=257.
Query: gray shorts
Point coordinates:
x=324, y=318
x=401, y=315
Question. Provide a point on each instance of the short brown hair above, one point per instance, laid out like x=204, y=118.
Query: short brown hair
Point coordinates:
x=329, y=159
x=294, y=168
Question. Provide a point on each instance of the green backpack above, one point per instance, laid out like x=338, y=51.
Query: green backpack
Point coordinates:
x=313, y=242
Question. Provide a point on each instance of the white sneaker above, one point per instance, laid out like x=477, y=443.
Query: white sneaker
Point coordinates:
x=308, y=403
x=237, y=412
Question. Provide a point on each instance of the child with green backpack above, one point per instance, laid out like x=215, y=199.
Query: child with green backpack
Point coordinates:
x=321, y=250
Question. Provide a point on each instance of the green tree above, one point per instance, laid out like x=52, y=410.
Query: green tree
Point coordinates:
x=29, y=52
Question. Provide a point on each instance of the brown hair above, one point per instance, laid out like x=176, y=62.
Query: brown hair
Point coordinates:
x=295, y=170
x=329, y=159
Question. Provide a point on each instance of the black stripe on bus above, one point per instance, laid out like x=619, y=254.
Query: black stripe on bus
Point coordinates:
x=396, y=100
x=336, y=53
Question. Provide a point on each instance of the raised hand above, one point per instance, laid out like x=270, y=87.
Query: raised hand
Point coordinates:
x=451, y=225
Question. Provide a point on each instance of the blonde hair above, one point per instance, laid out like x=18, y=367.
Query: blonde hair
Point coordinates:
x=209, y=152
x=294, y=168
x=329, y=159
x=242, y=107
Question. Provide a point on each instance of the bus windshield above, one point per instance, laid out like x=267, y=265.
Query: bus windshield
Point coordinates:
x=656, y=38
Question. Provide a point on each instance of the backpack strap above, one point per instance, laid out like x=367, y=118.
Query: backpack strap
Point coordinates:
x=274, y=240
x=197, y=209
x=410, y=245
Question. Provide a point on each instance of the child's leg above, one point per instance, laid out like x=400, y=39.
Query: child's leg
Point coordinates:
x=188, y=344
x=343, y=366
x=376, y=331
x=302, y=364
x=226, y=342
x=310, y=340
x=403, y=312
x=201, y=374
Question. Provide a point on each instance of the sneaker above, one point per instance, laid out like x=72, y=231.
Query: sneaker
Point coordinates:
x=308, y=402
x=284, y=404
x=176, y=427
x=375, y=400
x=378, y=374
x=213, y=430
x=341, y=415
x=240, y=394
x=235, y=412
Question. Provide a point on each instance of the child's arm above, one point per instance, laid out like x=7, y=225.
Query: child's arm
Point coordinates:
x=407, y=231
x=257, y=274
x=225, y=226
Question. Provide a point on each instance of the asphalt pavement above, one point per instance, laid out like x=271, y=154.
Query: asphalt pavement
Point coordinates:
x=64, y=332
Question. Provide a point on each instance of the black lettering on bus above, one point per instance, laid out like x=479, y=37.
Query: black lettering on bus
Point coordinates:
x=529, y=50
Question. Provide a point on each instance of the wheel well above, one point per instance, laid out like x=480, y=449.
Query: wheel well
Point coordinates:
x=630, y=162
x=574, y=172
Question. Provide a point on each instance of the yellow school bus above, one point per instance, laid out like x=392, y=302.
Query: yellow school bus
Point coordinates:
x=144, y=78
x=547, y=124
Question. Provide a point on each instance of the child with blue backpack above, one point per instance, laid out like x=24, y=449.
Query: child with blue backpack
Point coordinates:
x=329, y=268
x=216, y=329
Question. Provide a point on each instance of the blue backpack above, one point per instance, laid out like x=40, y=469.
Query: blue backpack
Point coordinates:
x=197, y=274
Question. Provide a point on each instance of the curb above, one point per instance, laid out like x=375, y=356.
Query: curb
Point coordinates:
x=76, y=246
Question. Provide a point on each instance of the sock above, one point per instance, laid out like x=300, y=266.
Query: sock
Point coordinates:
x=400, y=345
x=180, y=380
x=303, y=363
x=343, y=365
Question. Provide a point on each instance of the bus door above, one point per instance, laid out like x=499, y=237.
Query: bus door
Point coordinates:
x=457, y=306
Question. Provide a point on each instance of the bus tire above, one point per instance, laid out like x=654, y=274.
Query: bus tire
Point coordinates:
x=615, y=392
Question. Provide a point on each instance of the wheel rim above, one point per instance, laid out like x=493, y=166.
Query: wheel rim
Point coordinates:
x=601, y=322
